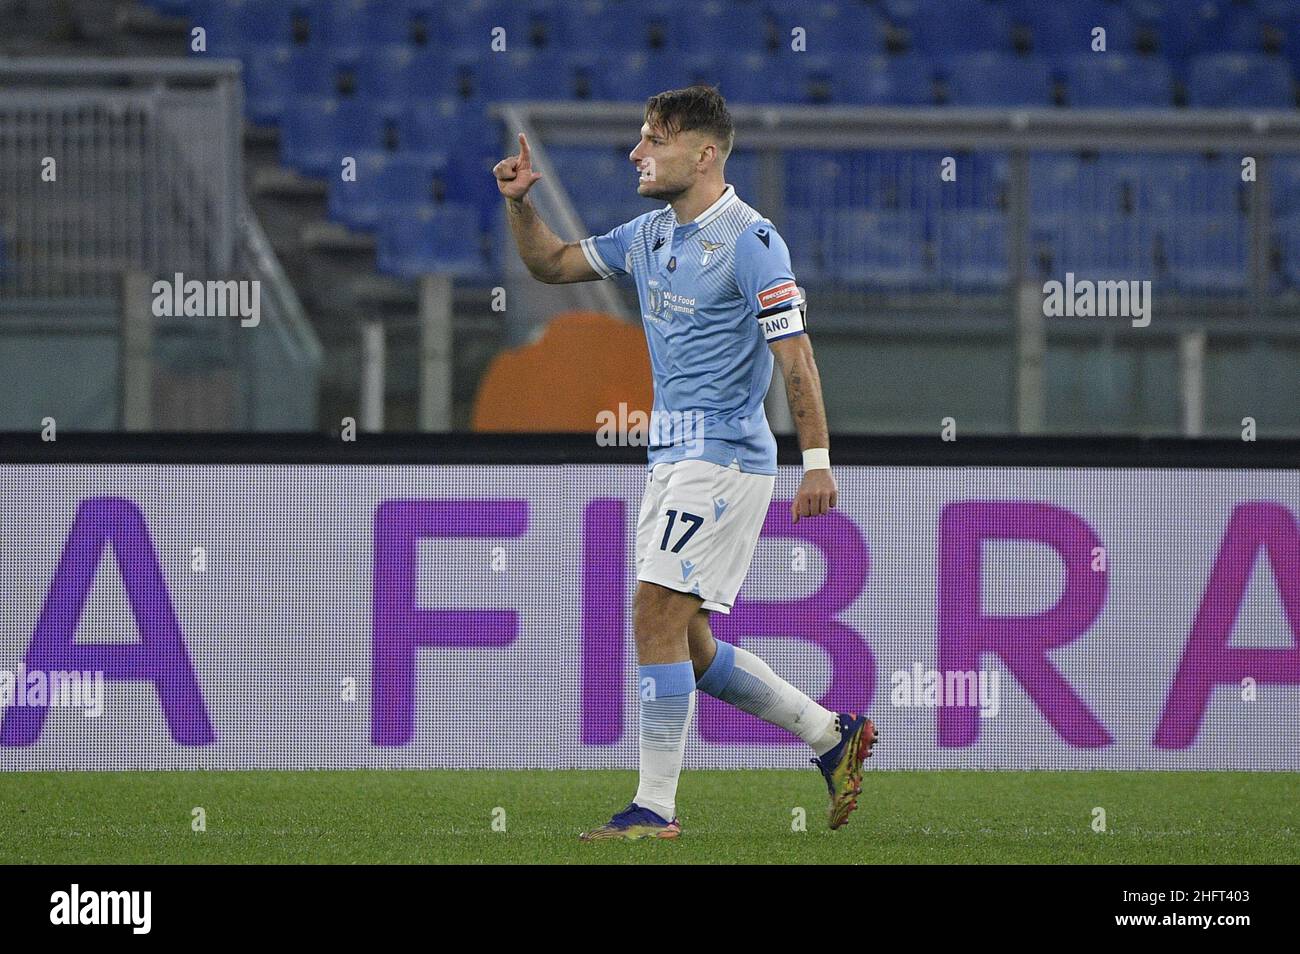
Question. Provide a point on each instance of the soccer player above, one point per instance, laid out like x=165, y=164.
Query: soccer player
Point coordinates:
x=718, y=301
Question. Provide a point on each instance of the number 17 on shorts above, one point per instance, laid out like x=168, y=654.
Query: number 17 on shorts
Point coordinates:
x=698, y=527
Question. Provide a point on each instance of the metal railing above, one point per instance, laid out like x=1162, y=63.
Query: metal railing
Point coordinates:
x=115, y=172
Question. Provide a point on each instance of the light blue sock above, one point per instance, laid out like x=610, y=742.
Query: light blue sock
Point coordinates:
x=667, y=693
x=741, y=679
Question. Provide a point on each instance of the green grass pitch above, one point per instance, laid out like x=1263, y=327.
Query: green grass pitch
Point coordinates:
x=733, y=816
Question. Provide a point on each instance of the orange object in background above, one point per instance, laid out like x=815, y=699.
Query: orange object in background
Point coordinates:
x=584, y=363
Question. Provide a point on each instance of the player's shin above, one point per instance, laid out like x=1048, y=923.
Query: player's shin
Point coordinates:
x=740, y=678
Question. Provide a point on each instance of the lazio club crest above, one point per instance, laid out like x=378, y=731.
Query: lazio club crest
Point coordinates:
x=709, y=249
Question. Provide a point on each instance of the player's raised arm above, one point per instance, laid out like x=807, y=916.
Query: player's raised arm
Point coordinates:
x=549, y=259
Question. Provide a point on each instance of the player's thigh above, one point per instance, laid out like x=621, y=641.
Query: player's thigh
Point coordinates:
x=651, y=500
x=704, y=533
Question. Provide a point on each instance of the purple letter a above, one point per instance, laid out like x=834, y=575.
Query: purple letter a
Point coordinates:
x=159, y=657
x=1208, y=660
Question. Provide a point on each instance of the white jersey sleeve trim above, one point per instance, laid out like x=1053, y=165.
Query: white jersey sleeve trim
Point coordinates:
x=597, y=263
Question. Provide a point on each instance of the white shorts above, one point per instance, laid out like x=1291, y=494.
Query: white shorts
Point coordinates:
x=698, y=527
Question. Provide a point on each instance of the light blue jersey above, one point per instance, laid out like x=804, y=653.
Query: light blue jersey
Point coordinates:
x=713, y=293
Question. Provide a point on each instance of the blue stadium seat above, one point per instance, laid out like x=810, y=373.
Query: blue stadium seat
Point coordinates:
x=1178, y=30
x=818, y=179
x=906, y=80
x=334, y=23
x=441, y=124
x=759, y=78
x=429, y=239
x=260, y=21
x=742, y=172
x=546, y=26
x=997, y=79
x=384, y=72
x=878, y=250
x=818, y=79
x=829, y=28
x=265, y=70
x=1118, y=81
x=981, y=183
x=648, y=26
x=634, y=77
x=1288, y=232
x=1091, y=245
x=474, y=24
x=1232, y=80
x=719, y=26
x=1286, y=186
x=1192, y=184
x=1205, y=254
x=594, y=174
x=358, y=204
x=1065, y=29
x=971, y=250
x=172, y=8
x=307, y=135
x=700, y=68
x=220, y=23
x=563, y=74
x=471, y=181
x=961, y=26
x=805, y=234
x=422, y=178
x=430, y=74
x=311, y=74
x=359, y=125
x=402, y=22
x=315, y=134
x=1055, y=184
x=1236, y=30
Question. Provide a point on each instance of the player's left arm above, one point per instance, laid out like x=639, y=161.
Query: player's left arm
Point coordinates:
x=766, y=280
x=803, y=387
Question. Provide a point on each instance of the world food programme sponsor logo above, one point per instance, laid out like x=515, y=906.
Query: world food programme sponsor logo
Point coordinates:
x=624, y=428
x=664, y=304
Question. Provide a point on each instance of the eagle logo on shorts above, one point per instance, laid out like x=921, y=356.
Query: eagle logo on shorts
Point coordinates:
x=709, y=249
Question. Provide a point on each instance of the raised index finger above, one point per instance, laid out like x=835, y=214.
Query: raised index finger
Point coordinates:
x=525, y=156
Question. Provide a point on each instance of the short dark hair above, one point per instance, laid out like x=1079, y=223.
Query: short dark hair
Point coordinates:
x=693, y=108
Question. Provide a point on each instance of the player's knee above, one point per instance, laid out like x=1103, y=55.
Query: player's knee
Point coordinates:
x=659, y=614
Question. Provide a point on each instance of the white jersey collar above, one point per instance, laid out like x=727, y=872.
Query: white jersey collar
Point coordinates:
x=712, y=212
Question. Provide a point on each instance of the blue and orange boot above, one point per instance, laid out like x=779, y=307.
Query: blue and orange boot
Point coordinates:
x=633, y=823
x=842, y=765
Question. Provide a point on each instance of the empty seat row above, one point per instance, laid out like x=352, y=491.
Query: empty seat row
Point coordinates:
x=278, y=76
x=890, y=251
x=937, y=27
